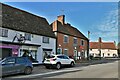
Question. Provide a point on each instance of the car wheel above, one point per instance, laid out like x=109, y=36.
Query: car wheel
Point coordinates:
x=72, y=64
x=28, y=70
x=58, y=65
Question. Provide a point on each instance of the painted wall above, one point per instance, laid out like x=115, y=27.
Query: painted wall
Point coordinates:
x=36, y=39
x=95, y=52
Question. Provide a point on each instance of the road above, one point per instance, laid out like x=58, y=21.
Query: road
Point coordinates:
x=104, y=70
x=109, y=70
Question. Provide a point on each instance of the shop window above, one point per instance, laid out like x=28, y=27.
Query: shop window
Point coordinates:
x=65, y=39
x=3, y=32
x=45, y=40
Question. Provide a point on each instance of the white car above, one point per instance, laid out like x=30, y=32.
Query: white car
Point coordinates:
x=58, y=61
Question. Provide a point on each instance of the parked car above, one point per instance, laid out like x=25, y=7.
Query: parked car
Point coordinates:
x=58, y=61
x=14, y=65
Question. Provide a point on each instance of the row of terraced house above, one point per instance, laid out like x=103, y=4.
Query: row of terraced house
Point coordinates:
x=26, y=34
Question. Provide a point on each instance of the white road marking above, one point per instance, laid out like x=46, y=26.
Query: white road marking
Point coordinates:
x=41, y=74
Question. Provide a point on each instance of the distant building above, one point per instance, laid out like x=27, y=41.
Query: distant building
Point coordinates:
x=103, y=49
x=25, y=34
x=70, y=40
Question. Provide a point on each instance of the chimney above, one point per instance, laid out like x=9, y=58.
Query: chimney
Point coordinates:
x=100, y=39
x=61, y=19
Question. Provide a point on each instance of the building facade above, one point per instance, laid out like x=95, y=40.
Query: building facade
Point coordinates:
x=25, y=34
x=70, y=40
x=103, y=49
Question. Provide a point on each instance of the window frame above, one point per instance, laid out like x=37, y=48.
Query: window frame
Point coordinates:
x=44, y=39
x=82, y=42
x=4, y=32
x=29, y=36
x=66, y=37
x=75, y=39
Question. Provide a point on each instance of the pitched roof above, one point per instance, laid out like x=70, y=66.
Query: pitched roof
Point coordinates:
x=104, y=45
x=20, y=20
x=69, y=30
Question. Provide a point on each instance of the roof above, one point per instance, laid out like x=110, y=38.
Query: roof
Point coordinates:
x=19, y=20
x=69, y=30
x=104, y=45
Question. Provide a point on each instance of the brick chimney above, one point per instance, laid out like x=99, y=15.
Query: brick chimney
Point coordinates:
x=100, y=39
x=61, y=18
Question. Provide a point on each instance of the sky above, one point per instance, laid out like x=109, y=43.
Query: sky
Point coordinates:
x=100, y=18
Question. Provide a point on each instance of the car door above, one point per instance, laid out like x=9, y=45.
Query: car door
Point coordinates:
x=8, y=66
x=67, y=61
x=20, y=64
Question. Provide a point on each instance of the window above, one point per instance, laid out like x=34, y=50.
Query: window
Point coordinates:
x=61, y=57
x=66, y=51
x=3, y=32
x=28, y=36
x=10, y=61
x=20, y=60
x=59, y=51
x=45, y=40
x=65, y=39
x=75, y=40
x=82, y=42
x=65, y=57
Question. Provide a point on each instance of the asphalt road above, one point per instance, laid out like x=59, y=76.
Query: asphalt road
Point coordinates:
x=108, y=70
x=91, y=69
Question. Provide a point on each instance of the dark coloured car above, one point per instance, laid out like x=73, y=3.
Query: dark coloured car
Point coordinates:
x=14, y=65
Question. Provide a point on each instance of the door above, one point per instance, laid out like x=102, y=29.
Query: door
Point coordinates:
x=75, y=54
x=8, y=66
x=6, y=52
x=66, y=60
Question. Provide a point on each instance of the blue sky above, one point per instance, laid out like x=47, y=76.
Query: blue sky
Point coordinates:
x=100, y=18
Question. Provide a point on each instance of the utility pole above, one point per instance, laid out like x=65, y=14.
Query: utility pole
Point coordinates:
x=88, y=54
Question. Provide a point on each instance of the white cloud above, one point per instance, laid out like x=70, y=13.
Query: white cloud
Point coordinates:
x=108, y=27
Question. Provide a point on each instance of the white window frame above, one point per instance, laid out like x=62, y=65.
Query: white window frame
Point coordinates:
x=74, y=40
x=67, y=39
x=29, y=36
x=4, y=32
x=66, y=50
x=81, y=42
x=44, y=39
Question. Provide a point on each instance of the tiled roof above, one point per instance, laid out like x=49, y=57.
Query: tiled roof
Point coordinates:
x=104, y=45
x=69, y=30
x=20, y=20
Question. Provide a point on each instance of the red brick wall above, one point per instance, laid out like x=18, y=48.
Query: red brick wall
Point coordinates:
x=69, y=45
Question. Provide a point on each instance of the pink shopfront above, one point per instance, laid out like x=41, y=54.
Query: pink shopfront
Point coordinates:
x=9, y=50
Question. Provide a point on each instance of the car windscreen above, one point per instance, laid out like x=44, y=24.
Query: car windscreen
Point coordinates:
x=50, y=56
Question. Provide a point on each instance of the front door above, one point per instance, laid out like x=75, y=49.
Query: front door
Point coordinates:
x=75, y=54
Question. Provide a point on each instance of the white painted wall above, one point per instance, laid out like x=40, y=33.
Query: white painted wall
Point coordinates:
x=37, y=39
x=105, y=51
